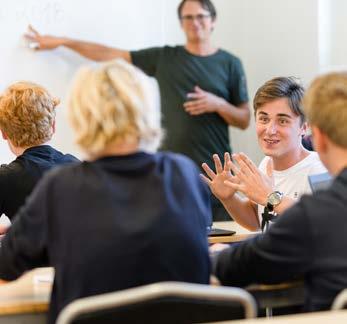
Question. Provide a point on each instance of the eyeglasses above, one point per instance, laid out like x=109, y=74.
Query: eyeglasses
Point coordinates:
x=189, y=18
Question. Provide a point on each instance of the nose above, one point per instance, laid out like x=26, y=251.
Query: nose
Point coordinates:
x=271, y=128
x=196, y=21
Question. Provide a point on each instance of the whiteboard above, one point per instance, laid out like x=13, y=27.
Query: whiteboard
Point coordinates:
x=128, y=24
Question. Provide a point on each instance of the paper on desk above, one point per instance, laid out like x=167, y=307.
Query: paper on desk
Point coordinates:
x=43, y=278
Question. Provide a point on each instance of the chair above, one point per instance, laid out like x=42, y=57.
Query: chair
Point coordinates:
x=340, y=301
x=165, y=302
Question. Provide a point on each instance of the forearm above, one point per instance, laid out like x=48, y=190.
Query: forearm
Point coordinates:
x=93, y=51
x=243, y=211
x=237, y=116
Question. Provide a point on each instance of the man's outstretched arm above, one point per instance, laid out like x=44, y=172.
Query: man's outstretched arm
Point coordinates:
x=93, y=51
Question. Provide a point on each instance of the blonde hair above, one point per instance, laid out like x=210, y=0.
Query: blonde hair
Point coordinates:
x=325, y=104
x=27, y=113
x=114, y=102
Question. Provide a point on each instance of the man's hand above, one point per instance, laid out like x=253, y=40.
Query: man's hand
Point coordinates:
x=3, y=229
x=42, y=42
x=216, y=181
x=202, y=102
x=255, y=185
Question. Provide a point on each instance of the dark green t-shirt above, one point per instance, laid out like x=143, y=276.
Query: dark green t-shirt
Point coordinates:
x=178, y=72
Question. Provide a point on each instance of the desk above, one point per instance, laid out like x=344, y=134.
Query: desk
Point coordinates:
x=241, y=233
x=29, y=301
x=336, y=317
x=26, y=299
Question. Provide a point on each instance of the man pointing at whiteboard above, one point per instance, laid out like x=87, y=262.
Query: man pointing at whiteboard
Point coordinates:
x=203, y=88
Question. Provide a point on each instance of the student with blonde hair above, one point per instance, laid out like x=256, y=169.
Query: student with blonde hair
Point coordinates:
x=27, y=123
x=124, y=218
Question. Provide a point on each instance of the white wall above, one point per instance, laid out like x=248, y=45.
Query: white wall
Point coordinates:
x=333, y=14
x=272, y=37
x=128, y=24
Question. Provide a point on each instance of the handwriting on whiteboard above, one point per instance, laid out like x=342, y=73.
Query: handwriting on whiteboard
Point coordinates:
x=44, y=11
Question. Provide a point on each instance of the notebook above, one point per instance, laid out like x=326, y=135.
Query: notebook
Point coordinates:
x=213, y=231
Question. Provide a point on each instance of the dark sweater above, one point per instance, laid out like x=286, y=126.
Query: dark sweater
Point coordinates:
x=18, y=179
x=112, y=224
x=308, y=241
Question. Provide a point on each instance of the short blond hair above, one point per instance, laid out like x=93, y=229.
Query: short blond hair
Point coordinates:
x=325, y=104
x=112, y=103
x=27, y=113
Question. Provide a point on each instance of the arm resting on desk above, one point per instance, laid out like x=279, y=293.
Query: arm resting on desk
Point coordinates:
x=24, y=245
x=283, y=253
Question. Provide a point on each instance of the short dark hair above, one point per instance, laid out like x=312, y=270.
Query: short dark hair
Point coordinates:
x=281, y=87
x=206, y=4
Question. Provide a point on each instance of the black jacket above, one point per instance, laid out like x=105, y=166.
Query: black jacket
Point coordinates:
x=19, y=178
x=308, y=241
x=112, y=224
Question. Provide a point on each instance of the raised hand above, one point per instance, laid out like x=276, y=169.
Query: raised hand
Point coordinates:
x=42, y=42
x=216, y=180
x=255, y=185
x=201, y=102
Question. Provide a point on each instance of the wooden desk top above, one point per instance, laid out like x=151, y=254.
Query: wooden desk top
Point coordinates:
x=336, y=317
x=241, y=233
x=29, y=293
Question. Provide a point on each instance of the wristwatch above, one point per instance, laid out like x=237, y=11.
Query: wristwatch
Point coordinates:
x=274, y=199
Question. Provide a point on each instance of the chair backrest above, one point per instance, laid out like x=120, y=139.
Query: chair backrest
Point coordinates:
x=165, y=302
x=340, y=301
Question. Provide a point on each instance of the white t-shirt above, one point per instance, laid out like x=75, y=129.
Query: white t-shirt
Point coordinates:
x=293, y=182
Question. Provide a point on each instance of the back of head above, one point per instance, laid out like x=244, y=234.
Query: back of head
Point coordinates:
x=114, y=103
x=325, y=105
x=27, y=113
x=281, y=87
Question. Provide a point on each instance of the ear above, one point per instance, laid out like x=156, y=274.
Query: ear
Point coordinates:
x=319, y=140
x=53, y=127
x=304, y=129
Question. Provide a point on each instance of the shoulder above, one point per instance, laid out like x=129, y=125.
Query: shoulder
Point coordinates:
x=63, y=174
x=176, y=159
x=174, y=52
x=13, y=169
x=69, y=158
x=313, y=164
x=230, y=56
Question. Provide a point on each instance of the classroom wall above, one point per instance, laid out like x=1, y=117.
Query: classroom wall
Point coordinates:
x=128, y=24
x=335, y=15
x=272, y=37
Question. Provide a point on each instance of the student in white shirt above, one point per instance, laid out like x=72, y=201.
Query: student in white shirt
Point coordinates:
x=282, y=176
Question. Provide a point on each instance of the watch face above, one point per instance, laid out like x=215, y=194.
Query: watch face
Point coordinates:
x=275, y=198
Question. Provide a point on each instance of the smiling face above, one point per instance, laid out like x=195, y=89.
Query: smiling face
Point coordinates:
x=196, y=21
x=279, y=130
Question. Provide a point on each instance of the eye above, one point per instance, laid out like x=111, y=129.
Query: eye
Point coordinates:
x=283, y=121
x=263, y=119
